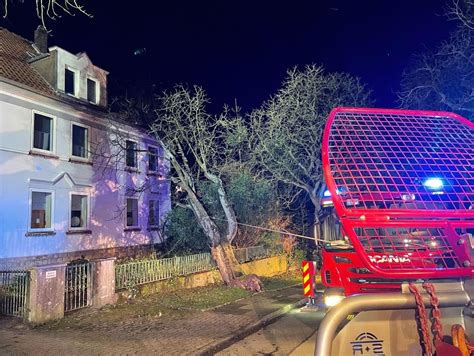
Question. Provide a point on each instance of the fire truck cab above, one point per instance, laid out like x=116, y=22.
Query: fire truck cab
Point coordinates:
x=398, y=277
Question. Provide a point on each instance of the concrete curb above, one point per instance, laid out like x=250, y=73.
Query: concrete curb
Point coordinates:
x=220, y=345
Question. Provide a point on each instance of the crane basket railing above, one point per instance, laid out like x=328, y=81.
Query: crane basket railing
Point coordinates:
x=402, y=183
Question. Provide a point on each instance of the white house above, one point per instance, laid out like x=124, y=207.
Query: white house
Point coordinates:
x=73, y=182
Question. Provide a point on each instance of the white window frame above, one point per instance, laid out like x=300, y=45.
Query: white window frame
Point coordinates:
x=88, y=216
x=148, y=158
x=157, y=224
x=137, y=157
x=88, y=145
x=76, y=80
x=97, y=90
x=30, y=206
x=138, y=213
x=53, y=132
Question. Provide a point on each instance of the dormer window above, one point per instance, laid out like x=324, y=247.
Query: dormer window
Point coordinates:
x=92, y=91
x=70, y=81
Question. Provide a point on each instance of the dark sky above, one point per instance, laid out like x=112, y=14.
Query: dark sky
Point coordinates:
x=242, y=49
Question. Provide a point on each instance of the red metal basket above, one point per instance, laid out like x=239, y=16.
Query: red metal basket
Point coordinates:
x=402, y=182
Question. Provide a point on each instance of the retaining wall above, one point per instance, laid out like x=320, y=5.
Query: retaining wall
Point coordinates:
x=265, y=267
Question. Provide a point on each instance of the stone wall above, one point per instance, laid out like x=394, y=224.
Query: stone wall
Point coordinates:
x=59, y=258
x=45, y=299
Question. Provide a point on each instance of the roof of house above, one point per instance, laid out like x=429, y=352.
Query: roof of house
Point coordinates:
x=15, y=53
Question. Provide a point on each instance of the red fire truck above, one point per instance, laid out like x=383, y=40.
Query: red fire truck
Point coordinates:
x=402, y=186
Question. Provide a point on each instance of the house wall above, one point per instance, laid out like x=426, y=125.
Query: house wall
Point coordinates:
x=46, y=66
x=21, y=171
x=52, y=68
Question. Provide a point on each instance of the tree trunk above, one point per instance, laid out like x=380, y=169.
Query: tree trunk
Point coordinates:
x=224, y=265
x=229, y=252
x=226, y=206
x=229, y=267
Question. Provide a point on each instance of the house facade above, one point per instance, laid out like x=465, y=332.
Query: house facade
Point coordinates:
x=74, y=182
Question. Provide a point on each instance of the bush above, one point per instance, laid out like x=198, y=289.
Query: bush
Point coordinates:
x=184, y=234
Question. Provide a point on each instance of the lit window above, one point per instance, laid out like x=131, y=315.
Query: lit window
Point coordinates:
x=132, y=212
x=153, y=213
x=131, y=153
x=69, y=82
x=42, y=132
x=79, y=141
x=41, y=210
x=92, y=91
x=152, y=159
x=79, y=211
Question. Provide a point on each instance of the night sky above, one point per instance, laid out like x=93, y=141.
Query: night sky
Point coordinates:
x=242, y=49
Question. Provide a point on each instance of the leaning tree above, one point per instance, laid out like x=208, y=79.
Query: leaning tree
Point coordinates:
x=287, y=129
x=199, y=146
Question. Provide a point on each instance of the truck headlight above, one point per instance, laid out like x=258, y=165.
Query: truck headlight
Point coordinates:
x=332, y=300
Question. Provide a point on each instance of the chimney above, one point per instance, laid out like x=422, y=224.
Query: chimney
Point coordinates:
x=41, y=39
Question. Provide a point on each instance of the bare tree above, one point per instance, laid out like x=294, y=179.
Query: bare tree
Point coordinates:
x=51, y=9
x=287, y=129
x=443, y=78
x=198, y=147
x=463, y=11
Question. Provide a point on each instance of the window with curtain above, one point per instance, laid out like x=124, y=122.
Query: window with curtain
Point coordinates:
x=79, y=211
x=41, y=210
x=42, y=132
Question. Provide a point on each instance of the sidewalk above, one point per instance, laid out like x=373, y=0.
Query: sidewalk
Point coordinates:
x=185, y=332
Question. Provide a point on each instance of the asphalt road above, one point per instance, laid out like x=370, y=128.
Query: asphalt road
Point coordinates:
x=294, y=333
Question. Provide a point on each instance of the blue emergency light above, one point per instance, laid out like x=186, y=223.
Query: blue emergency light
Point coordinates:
x=433, y=183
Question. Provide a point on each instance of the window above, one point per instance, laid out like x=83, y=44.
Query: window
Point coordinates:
x=131, y=154
x=92, y=91
x=41, y=210
x=79, y=141
x=153, y=213
x=152, y=159
x=69, y=81
x=79, y=211
x=42, y=132
x=132, y=212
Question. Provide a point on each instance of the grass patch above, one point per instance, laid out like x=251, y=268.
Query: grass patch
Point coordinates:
x=281, y=281
x=210, y=297
x=202, y=298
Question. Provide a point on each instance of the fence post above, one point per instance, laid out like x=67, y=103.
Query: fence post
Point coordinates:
x=103, y=282
x=46, y=295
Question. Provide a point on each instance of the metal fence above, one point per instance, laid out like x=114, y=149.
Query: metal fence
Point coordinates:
x=142, y=272
x=13, y=292
x=131, y=274
x=78, y=286
x=251, y=253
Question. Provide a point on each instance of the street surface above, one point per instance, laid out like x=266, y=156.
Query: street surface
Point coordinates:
x=140, y=327
x=294, y=334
